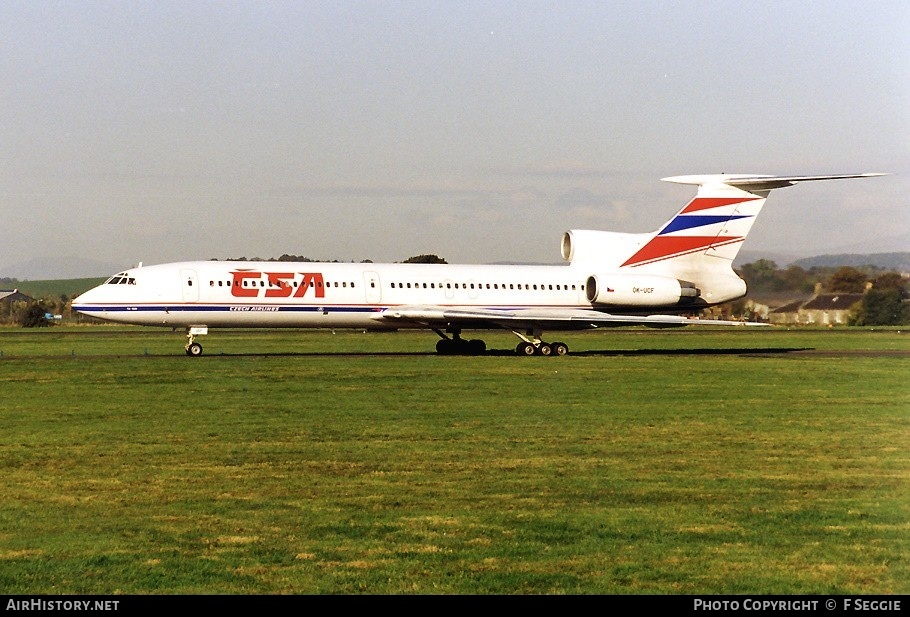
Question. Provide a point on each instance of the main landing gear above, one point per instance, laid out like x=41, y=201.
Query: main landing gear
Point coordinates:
x=192, y=347
x=541, y=349
x=457, y=346
x=530, y=345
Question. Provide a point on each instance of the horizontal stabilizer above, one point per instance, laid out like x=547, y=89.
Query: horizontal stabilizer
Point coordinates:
x=751, y=182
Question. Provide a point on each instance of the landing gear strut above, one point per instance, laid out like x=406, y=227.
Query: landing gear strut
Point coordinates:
x=192, y=347
x=457, y=346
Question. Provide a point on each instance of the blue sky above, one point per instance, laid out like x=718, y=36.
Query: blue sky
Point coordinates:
x=480, y=131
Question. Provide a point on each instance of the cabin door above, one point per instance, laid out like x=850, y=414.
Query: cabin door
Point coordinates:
x=373, y=287
x=190, y=284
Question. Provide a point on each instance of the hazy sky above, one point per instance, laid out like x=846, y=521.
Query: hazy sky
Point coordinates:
x=480, y=131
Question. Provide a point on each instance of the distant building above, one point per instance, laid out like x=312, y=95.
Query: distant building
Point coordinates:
x=13, y=295
x=8, y=299
x=831, y=309
x=786, y=314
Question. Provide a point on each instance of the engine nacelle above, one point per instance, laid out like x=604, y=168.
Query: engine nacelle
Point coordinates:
x=609, y=248
x=639, y=290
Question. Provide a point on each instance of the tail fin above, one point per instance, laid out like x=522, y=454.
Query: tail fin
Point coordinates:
x=716, y=222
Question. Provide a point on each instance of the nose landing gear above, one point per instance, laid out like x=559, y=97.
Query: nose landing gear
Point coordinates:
x=192, y=347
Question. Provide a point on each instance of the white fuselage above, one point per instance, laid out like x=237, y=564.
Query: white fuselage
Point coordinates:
x=322, y=295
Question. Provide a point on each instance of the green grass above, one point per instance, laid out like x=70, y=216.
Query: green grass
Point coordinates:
x=307, y=462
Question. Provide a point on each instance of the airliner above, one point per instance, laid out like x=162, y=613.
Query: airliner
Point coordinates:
x=658, y=279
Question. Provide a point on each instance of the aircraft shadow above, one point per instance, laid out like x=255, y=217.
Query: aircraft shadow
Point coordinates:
x=763, y=351
x=739, y=351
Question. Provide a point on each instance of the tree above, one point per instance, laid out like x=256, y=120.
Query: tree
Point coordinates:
x=759, y=275
x=881, y=307
x=847, y=280
x=34, y=316
x=764, y=276
x=885, y=304
x=425, y=259
x=795, y=278
x=890, y=280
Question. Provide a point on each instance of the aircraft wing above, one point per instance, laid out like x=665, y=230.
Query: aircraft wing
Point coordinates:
x=542, y=318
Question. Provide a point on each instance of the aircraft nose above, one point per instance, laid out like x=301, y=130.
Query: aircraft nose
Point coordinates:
x=85, y=298
x=81, y=298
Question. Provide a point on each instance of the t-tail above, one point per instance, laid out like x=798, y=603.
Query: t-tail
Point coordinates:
x=697, y=246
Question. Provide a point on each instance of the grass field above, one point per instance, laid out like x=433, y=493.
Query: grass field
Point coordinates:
x=670, y=462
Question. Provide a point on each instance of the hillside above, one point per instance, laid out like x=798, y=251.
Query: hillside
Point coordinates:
x=898, y=262
x=58, y=268
x=52, y=288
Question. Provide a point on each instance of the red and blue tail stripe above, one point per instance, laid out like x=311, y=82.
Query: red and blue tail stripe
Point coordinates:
x=691, y=233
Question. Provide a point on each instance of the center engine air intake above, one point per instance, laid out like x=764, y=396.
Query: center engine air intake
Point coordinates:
x=643, y=290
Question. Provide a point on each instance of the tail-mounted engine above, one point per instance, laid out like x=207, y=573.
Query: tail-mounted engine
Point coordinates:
x=639, y=290
x=600, y=247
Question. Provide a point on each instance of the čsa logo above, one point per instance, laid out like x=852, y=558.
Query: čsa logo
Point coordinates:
x=252, y=284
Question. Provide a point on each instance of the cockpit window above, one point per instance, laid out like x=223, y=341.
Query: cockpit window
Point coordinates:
x=121, y=280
